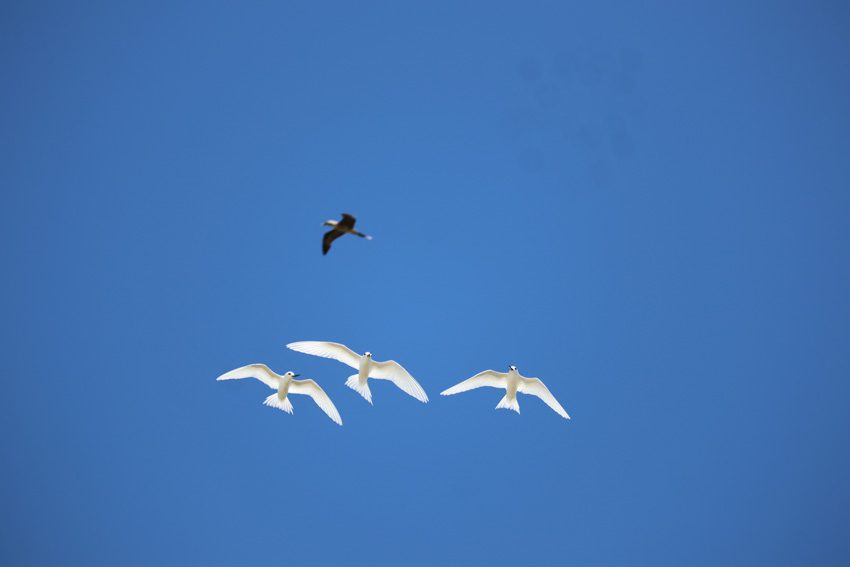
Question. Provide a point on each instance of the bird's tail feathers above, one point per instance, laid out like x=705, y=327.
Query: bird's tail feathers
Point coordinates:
x=354, y=383
x=361, y=235
x=275, y=402
x=505, y=403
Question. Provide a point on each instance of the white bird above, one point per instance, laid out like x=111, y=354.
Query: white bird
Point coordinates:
x=285, y=385
x=513, y=382
x=366, y=368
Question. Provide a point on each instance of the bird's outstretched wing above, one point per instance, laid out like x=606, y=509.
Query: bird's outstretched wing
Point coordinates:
x=489, y=378
x=329, y=237
x=335, y=351
x=259, y=371
x=347, y=221
x=536, y=387
x=310, y=388
x=395, y=373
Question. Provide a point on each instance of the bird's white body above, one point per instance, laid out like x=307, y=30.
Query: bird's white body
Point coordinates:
x=512, y=381
x=285, y=384
x=366, y=367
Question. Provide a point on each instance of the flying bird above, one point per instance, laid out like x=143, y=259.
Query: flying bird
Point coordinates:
x=285, y=385
x=366, y=367
x=344, y=226
x=513, y=382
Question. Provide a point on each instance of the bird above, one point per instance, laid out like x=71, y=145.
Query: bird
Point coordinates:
x=344, y=226
x=366, y=367
x=513, y=382
x=285, y=385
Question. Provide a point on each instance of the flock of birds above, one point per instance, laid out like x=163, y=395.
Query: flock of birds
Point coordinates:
x=284, y=384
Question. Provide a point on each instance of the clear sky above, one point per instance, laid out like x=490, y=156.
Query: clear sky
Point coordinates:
x=644, y=204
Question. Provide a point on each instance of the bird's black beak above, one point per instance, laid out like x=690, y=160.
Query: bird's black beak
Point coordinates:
x=296, y=375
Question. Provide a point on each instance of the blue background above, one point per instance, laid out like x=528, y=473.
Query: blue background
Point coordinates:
x=645, y=205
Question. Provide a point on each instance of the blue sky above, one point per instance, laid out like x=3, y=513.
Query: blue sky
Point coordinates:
x=644, y=205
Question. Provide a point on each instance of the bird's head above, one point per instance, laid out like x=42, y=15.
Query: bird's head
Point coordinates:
x=368, y=355
x=291, y=374
x=512, y=369
x=329, y=223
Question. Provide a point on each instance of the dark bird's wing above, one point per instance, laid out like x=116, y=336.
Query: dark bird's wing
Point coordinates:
x=347, y=221
x=330, y=236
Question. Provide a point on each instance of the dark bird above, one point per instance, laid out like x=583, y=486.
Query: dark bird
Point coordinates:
x=344, y=226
